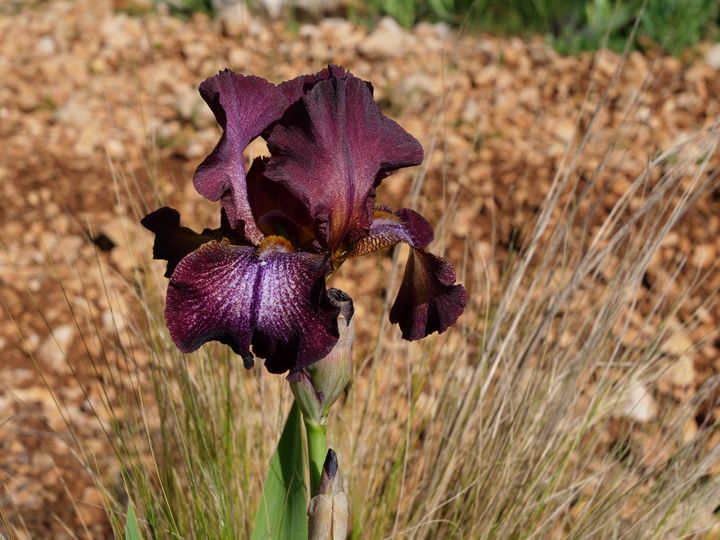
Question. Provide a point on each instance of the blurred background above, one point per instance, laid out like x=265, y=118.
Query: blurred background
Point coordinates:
x=569, y=25
x=101, y=121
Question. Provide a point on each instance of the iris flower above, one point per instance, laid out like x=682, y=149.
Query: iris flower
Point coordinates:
x=292, y=219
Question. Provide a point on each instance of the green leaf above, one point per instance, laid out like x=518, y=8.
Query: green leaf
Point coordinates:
x=282, y=514
x=132, y=528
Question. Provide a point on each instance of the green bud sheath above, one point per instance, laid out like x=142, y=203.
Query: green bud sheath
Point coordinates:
x=318, y=386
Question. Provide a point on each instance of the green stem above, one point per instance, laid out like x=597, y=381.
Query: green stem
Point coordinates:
x=317, y=450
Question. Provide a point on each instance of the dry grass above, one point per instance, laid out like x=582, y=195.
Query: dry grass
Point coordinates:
x=509, y=428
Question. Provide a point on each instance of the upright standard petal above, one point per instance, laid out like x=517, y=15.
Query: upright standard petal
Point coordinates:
x=331, y=149
x=296, y=88
x=271, y=298
x=276, y=210
x=244, y=106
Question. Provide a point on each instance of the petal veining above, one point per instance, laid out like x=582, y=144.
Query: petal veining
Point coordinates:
x=276, y=303
x=389, y=228
x=331, y=149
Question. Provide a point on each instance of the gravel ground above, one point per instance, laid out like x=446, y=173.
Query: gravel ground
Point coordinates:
x=95, y=102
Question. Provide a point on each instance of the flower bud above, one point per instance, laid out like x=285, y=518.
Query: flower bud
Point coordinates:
x=317, y=386
x=328, y=510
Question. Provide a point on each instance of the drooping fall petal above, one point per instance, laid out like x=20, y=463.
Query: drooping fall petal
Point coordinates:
x=428, y=300
x=244, y=106
x=172, y=241
x=331, y=149
x=271, y=298
x=389, y=228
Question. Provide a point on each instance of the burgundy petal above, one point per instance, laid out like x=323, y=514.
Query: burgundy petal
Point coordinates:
x=173, y=242
x=244, y=106
x=388, y=229
x=331, y=149
x=296, y=88
x=276, y=210
x=270, y=298
x=428, y=300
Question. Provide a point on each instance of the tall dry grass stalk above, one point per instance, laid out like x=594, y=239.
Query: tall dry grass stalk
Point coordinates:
x=512, y=425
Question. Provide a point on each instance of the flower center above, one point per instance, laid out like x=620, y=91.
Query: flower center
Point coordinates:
x=273, y=244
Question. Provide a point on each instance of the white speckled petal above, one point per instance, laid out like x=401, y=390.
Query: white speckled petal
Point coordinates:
x=275, y=301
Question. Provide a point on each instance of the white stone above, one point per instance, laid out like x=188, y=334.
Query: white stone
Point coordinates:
x=471, y=111
x=274, y=8
x=7, y=402
x=74, y=112
x=421, y=82
x=45, y=46
x=191, y=108
x=439, y=29
x=388, y=40
x=677, y=344
x=234, y=19
x=681, y=372
x=336, y=29
x=115, y=148
x=638, y=403
x=193, y=150
x=187, y=102
x=712, y=56
x=53, y=351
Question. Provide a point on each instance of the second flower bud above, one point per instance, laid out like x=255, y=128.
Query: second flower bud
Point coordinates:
x=318, y=386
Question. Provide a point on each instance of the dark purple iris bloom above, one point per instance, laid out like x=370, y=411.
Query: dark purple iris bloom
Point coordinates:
x=292, y=219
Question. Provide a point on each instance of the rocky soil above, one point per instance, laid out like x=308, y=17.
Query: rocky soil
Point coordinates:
x=100, y=118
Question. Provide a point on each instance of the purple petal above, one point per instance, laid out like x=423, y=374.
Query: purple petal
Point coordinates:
x=331, y=149
x=173, y=242
x=276, y=210
x=244, y=106
x=296, y=88
x=270, y=298
x=388, y=229
x=428, y=301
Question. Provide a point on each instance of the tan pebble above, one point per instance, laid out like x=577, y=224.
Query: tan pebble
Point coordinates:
x=682, y=372
x=704, y=255
x=638, y=403
x=677, y=344
x=54, y=349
